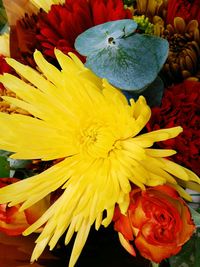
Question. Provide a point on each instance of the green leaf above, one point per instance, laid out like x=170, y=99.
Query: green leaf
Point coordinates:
x=8, y=166
x=153, y=93
x=5, y=153
x=18, y=164
x=128, y=2
x=3, y=17
x=130, y=61
x=4, y=167
x=195, y=216
x=190, y=253
x=154, y=264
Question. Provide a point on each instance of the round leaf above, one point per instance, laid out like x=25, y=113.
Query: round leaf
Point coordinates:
x=152, y=93
x=129, y=60
x=99, y=37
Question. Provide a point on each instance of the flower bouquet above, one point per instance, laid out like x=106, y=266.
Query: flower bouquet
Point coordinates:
x=100, y=125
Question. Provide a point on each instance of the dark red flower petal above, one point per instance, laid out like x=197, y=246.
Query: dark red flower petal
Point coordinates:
x=4, y=67
x=181, y=107
x=23, y=40
x=185, y=9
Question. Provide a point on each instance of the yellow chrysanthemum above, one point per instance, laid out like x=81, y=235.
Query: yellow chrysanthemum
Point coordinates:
x=46, y=4
x=83, y=119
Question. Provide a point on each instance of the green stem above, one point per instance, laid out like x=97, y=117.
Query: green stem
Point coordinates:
x=154, y=264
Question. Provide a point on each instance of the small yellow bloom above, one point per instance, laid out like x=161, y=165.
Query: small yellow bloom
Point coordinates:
x=83, y=119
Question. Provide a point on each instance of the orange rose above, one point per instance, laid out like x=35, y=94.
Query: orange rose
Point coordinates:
x=12, y=221
x=158, y=221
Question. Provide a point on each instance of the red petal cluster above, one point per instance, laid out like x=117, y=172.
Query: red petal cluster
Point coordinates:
x=185, y=9
x=108, y=10
x=23, y=41
x=4, y=68
x=61, y=26
x=181, y=106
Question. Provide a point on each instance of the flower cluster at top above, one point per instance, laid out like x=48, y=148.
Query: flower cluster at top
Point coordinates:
x=99, y=116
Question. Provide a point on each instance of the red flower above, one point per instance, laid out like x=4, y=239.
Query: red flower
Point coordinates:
x=181, y=106
x=188, y=10
x=61, y=26
x=108, y=10
x=4, y=67
x=14, y=222
x=23, y=41
x=158, y=219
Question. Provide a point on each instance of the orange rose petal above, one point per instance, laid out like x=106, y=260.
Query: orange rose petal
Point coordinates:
x=188, y=225
x=128, y=247
x=14, y=222
x=155, y=253
x=122, y=225
x=12, y=230
x=36, y=211
x=137, y=215
x=170, y=191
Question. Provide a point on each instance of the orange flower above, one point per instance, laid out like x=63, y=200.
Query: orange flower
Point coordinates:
x=158, y=221
x=14, y=222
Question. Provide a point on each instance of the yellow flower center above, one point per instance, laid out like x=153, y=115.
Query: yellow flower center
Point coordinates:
x=96, y=140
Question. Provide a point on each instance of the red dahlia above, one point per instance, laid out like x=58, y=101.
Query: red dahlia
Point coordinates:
x=181, y=106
